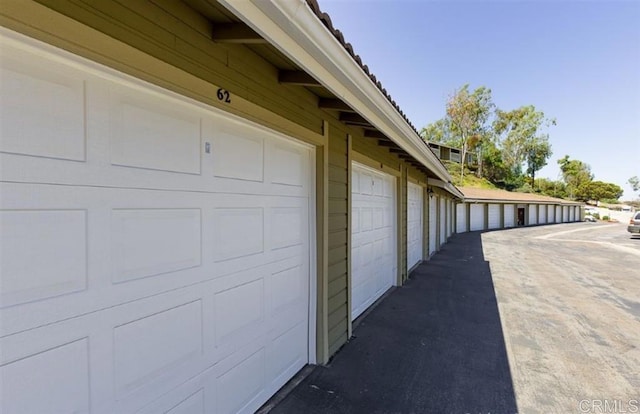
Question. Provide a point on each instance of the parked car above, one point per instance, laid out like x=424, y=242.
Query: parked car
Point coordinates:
x=590, y=218
x=634, y=224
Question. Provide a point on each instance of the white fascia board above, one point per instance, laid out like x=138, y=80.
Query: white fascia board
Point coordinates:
x=293, y=28
x=446, y=186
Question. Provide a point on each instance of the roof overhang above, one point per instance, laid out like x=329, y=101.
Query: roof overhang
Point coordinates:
x=447, y=186
x=293, y=28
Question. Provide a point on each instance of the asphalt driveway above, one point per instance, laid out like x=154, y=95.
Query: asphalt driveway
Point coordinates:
x=531, y=320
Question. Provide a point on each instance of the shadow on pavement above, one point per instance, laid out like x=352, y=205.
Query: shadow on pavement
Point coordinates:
x=433, y=346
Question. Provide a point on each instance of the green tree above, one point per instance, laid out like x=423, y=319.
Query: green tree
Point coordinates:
x=521, y=137
x=551, y=188
x=597, y=191
x=634, y=182
x=466, y=124
x=438, y=131
x=576, y=174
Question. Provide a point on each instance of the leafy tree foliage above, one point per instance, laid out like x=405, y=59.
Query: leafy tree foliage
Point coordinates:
x=511, y=146
x=575, y=173
x=635, y=183
x=551, y=188
x=521, y=138
x=598, y=190
x=467, y=122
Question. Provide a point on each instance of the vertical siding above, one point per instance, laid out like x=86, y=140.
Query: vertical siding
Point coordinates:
x=338, y=307
x=176, y=34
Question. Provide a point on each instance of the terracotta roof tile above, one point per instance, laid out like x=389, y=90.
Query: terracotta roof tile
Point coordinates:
x=326, y=20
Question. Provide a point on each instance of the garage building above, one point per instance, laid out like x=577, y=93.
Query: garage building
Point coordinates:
x=198, y=199
x=488, y=209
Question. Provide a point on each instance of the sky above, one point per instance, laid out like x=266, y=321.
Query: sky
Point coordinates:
x=577, y=61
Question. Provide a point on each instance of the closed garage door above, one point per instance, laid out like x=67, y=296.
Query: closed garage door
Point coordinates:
x=451, y=224
x=373, y=260
x=509, y=215
x=572, y=213
x=565, y=214
x=533, y=214
x=461, y=217
x=551, y=216
x=494, y=216
x=476, y=216
x=443, y=221
x=433, y=223
x=558, y=214
x=543, y=215
x=414, y=224
x=155, y=252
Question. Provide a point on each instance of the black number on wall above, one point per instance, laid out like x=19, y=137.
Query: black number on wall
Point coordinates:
x=224, y=95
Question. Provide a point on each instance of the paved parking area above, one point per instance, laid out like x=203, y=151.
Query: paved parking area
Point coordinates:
x=532, y=320
x=569, y=300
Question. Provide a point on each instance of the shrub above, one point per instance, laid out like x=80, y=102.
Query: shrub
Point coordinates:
x=605, y=218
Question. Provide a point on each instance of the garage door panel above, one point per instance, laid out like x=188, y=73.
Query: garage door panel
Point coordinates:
x=150, y=242
x=43, y=254
x=154, y=134
x=43, y=111
x=238, y=156
x=70, y=395
x=147, y=348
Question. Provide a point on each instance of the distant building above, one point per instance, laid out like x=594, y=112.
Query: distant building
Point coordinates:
x=449, y=153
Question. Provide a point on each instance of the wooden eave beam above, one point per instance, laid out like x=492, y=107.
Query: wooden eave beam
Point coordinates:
x=238, y=33
x=350, y=118
x=297, y=77
x=334, y=104
x=374, y=134
x=387, y=144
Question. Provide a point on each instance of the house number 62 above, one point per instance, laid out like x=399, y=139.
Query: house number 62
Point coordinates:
x=223, y=95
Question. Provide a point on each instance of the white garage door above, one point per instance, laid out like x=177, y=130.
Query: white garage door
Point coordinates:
x=565, y=214
x=476, y=214
x=373, y=243
x=543, y=215
x=494, y=216
x=558, y=214
x=414, y=224
x=433, y=223
x=533, y=214
x=449, y=218
x=509, y=215
x=155, y=252
x=551, y=216
x=461, y=217
x=443, y=221
x=572, y=213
